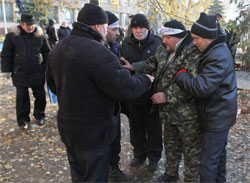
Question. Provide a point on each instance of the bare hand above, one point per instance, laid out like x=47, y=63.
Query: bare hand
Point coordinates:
x=127, y=65
x=152, y=78
x=159, y=98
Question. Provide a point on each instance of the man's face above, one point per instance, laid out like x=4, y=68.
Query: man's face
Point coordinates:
x=64, y=24
x=201, y=43
x=170, y=42
x=140, y=33
x=112, y=34
x=29, y=28
x=102, y=29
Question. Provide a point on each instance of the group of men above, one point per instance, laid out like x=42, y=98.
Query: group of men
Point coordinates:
x=184, y=81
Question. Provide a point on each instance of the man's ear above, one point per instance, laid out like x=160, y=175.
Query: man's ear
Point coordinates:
x=96, y=27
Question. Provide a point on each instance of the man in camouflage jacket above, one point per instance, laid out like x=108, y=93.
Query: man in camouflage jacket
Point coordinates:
x=182, y=133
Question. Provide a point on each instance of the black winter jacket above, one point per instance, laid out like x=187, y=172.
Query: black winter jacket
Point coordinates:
x=135, y=51
x=24, y=55
x=63, y=32
x=215, y=87
x=88, y=79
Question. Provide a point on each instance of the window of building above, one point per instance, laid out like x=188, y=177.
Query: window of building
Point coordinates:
x=53, y=13
x=8, y=12
x=69, y=16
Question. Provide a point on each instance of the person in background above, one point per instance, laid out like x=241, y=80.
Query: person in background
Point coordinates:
x=115, y=174
x=145, y=128
x=24, y=55
x=88, y=80
x=215, y=89
x=52, y=34
x=63, y=31
x=129, y=30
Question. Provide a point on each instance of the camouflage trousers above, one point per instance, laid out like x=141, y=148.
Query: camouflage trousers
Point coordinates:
x=183, y=138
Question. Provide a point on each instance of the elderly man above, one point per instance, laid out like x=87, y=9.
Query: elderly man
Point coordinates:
x=182, y=132
x=216, y=90
x=88, y=81
x=145, y=128
x=24, y=54
x=115, y=174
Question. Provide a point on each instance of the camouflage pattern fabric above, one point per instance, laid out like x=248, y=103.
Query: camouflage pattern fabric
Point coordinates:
x=182, y=131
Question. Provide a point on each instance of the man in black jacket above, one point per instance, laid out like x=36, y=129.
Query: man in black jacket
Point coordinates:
x=88, y=80
x=115, y=174
x=24, y=54
x=63, y=31
x=52, y=34
x=216, y=90
x=145, y=128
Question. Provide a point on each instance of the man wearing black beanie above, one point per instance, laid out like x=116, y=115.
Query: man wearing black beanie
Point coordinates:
x=88, y=80
x=216, y=90
x=177, y=109
x=145, y=129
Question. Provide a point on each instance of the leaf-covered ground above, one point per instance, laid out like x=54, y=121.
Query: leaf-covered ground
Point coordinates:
x=37, y=155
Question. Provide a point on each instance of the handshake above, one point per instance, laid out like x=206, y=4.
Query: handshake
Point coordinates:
x=130, y=67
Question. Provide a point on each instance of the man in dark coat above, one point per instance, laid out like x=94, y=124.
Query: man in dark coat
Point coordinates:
x=145, y=128
x=115, y=174
x=216, y=90
x=24, y=54
x=63, y=31
x=52, y=34
x=88, y=80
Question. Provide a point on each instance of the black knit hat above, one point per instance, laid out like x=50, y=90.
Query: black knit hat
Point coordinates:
x=112, y=18
x=27, y=18
x=92, y=14
x=178, y=29
x=140, y=20
x=205, y=26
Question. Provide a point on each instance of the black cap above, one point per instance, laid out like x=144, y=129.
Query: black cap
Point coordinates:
x=92, y=14
x=27, y=18
x=205, y=26
x=112, y=18
x=176, y=25
x=140, y=20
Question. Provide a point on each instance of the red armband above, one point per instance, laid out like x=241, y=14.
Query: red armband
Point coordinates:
x=182, y=70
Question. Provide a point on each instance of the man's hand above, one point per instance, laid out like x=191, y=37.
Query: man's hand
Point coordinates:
x=159, y=98
x=152, y=78
x=127, y=65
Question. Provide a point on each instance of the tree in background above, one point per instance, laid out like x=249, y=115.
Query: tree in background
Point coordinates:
x=242, y=26
x=186, y=11
x=41, y=8
x=216, y=7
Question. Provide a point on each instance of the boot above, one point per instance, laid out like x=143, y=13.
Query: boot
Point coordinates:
x=116, y=175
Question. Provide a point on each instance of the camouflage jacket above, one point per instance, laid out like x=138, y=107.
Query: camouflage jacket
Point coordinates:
x=180, y=107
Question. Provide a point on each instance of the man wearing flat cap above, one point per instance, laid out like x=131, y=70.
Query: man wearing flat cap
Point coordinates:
x=24, y=55
x=88, y=80
x=145, y=128
x=177, y=109
x=215, y=89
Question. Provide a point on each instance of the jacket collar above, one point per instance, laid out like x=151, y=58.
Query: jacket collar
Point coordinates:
x=83, y=30
x=218, y=42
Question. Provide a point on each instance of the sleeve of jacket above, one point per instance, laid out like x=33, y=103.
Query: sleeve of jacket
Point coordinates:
x=7, y=54
x=116, y=81
x=207, y=81
x=49, y=79
x=148, y=66
x=45, y=50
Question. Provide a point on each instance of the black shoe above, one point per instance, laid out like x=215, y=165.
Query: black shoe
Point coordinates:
x=136, y=162
x=24, y=126
x=41, y=122
x=116, y=175
x=152, y=166
x=165, y=179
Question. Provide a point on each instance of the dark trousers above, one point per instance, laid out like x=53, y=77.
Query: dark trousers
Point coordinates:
x=89, y=165
x=145, y=132
x=213, y=157
x=23, y=103
x=116, y=146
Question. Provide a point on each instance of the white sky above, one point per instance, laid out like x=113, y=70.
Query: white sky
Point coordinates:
x=229, y=10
